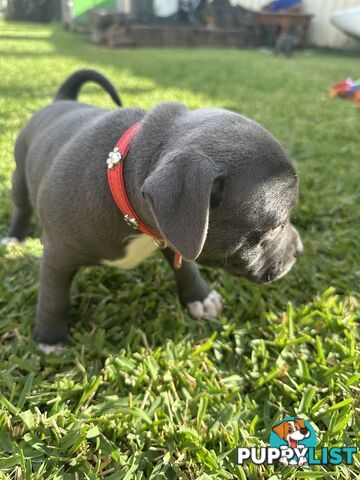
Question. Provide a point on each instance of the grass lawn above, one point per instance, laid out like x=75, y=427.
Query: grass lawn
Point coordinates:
x=144, y=391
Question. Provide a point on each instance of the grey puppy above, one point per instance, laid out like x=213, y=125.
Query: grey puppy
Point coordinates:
x=216, y=185
x=286, y=43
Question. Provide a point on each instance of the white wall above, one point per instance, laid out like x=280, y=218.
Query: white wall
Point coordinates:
x=321, y=32
x=124, y=6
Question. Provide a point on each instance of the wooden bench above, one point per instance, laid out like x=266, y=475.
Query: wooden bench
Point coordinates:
x=285, y=21
x=122, y=35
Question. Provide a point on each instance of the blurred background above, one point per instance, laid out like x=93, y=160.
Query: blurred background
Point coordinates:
x=217, y=23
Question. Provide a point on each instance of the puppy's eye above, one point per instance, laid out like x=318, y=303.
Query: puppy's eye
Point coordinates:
x=281, y=226
x=255, y=237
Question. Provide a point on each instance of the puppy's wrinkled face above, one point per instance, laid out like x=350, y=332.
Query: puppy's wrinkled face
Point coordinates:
x=250, y=233
x=222, y=194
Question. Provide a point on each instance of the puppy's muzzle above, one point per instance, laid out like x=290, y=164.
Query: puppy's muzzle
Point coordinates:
x=282, y=266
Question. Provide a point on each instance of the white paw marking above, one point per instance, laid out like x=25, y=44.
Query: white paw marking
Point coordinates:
x=9, y=241
x=47, y=349
x=211, y=306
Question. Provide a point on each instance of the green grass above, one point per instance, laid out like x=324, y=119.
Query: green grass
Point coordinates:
x=144, y=391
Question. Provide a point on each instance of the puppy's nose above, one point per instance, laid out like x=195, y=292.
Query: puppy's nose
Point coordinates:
x=304, y=430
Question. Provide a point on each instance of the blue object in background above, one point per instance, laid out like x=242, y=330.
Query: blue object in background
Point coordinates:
x=283, y=4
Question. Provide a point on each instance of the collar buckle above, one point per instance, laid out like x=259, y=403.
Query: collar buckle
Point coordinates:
x=132, y=222
x=160, y=243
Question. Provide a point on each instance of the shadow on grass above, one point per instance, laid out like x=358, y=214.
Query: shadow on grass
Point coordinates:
x=24, y=54
x=24, y=37
x=26, y=92
x=339, y=52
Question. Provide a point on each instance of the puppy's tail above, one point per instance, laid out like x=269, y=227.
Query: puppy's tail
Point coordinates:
x=70, y=88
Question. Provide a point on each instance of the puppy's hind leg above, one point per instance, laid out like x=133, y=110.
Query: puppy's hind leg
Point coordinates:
x=56, y=275
x=193, y=290
x=22, y=208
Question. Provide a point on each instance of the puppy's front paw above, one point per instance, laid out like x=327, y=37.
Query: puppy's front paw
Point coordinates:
x=48, y=349
x=211, y=306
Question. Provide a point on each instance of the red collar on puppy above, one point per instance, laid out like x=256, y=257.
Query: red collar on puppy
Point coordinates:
x=115, y=164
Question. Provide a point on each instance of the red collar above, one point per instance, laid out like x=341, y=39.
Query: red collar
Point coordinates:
x=115, y=164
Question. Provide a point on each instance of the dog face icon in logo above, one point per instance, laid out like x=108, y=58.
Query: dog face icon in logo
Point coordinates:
x=294, y=436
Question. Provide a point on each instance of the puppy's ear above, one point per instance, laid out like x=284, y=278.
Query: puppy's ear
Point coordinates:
x=178, y=192
x=280, y=429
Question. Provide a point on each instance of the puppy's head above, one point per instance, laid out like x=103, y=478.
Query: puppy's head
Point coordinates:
x=222, y=192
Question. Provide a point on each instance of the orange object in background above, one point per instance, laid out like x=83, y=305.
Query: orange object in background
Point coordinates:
x=347, y=89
